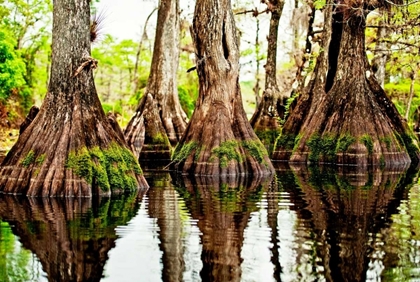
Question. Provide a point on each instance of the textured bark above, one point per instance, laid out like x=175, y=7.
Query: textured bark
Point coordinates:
x=159, y=114
x=354, y=122
x=70, y=120
x=70, y=247
x=265, y=120
x=219, y=139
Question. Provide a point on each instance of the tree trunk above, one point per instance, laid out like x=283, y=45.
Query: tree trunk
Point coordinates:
x=265, y=120
x=70, y=148
x=355, y=122
x=219, y=139
x=159, y=114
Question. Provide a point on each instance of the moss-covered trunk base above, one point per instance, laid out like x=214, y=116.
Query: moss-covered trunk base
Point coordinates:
x=145, y=133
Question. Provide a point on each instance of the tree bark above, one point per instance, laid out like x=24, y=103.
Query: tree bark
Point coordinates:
x=219, y=139
x=265, y=120
x=70, y=148
x=159, y=114
x=354, y=122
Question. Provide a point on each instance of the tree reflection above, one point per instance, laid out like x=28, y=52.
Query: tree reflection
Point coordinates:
x=70, y=236
x=222, y=208
x=346, y=210
x=163, y=205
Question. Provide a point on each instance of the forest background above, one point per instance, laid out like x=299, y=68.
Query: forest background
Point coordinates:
x=124, y=52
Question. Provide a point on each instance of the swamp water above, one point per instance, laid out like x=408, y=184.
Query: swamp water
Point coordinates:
x=301, y=225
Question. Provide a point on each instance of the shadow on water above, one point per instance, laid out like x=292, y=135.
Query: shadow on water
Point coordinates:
x=71, y=237
x=343, y=213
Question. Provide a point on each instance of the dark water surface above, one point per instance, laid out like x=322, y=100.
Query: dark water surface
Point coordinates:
x=301, y=225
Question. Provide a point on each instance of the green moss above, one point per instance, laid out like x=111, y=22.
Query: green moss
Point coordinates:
x=367, y=141
x=387, y=141
x=160, y=138
x=28, y=159
x=226, y=152
x=256, y=149
x=285, y=141
x=111, y=168
x=182, y=151
x=40, y=159
x=411, y=147
x=268, y=138
x=322, y=147
x=382, y=161
x=344, y=142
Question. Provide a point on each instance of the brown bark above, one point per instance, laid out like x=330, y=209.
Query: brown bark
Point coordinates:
x=70, y=237
x=70, y=122
x=354, y=122
x=265, y=120
x=159, y=114
x=219, y=139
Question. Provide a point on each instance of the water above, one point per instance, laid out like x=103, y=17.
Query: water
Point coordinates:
x=301, y=225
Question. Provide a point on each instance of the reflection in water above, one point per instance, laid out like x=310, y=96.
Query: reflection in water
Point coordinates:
x=344, y=214
x=222, y=209
x=305, y=225
x=70, y=237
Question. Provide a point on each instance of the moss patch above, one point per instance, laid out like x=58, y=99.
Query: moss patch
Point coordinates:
x=256, y=149
x=387, y=141
x=344, y=142
x=111, y=168
x=407, y=140
x=285, y=141
x=322, y=147
x=160, y=138
x=182, y=151
x=268, y=138
x=367, y=141
x=227, y=151
x=28, y=159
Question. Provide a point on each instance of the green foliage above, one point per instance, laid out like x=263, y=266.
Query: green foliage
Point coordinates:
x=12, y=67
x=187, y=97
x=319, y=4
x=226, y=152
x=367, y=141
x=111, y=168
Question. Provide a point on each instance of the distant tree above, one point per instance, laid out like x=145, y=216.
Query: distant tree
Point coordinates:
x=345, y=117
x=270, y=110
x=219, y=139
x=70, y=148
x=159, y=120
